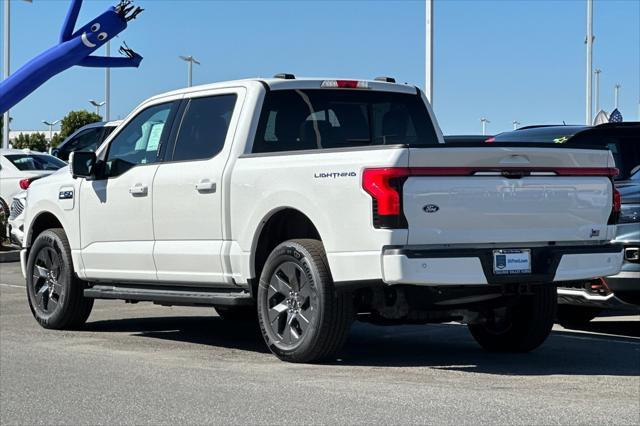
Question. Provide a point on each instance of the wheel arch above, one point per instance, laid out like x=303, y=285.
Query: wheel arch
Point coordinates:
x=281, y=224
x=41, y=222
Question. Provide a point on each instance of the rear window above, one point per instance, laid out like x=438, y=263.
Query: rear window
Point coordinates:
x=293, y=120
x=28, y=162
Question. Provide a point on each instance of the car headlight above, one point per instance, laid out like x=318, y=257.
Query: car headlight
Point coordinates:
x=630, y=213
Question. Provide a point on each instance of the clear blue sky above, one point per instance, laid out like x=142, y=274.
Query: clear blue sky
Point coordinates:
x=505, y=60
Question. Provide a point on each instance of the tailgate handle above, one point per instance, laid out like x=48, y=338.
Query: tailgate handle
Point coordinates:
x=515, y=159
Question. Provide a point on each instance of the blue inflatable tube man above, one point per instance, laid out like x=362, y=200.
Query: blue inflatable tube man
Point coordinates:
x=74, y=48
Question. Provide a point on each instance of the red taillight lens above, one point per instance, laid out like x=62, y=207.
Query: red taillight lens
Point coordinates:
x=385, y=187
x=616, y=207
x=491, y=139
x=24, y=183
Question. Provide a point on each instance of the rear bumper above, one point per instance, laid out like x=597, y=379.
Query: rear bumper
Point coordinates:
x=473, y=266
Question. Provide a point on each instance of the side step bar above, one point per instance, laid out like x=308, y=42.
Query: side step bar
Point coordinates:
x=170, y=295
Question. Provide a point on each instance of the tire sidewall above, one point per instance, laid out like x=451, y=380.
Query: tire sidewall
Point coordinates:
x=291, y=252
x=52, y=240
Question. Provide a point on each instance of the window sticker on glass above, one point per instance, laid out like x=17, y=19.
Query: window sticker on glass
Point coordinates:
x=154, y=137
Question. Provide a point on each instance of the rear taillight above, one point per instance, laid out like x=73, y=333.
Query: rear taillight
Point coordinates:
x=615, y=208
x=385, y=187
x=491, y=139
x=24, y=183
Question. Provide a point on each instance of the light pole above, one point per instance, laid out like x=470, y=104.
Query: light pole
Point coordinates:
x=191, y=60
x=516, y=123
x=6, y=69
x=616, y=95
x=484, y=122
x=97, y=105
x=50, y=124
x=597, y=78
x=589, y=41
x=107, y=86
x=428, y=57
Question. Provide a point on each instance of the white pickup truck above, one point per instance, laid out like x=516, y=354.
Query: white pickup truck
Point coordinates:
x=316, y=202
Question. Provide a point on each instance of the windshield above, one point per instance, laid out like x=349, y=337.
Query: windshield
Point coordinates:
x=27, y=162
x=319, y=119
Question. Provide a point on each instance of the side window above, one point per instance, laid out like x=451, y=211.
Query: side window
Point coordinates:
x=204, y=128
x=139, y=142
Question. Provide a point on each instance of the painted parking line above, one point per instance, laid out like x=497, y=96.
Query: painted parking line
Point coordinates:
x=11, y=285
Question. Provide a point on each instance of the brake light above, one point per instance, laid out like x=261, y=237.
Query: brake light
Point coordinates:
x=344, y=84
x=616, y=207
x=385, y=187
x=24, y=183
x=491, y=139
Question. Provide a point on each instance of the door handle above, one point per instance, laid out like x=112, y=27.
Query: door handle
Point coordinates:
x=206, y=185
x=138, y=189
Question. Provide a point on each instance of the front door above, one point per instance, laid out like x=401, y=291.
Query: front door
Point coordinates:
x=188, y=191
x=116, y=219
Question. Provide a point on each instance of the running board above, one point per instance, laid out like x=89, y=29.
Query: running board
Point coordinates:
x=173, y=295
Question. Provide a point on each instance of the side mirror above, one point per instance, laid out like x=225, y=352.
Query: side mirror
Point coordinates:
x=82, y=164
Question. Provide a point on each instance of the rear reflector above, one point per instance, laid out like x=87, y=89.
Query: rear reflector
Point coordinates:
x=344, y=84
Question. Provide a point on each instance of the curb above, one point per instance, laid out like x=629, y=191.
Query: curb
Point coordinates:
x=9, y=256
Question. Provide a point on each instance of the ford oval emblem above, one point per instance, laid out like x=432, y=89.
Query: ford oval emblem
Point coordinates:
x=430, y=208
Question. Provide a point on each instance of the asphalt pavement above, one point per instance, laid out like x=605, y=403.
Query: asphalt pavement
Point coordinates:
x=147, y=364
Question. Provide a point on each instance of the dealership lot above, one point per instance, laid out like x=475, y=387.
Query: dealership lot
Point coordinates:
x=143, y=364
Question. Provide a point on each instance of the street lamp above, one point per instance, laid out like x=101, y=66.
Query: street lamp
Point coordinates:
x=428, y=58
x=516, y=123
x=616, y=95
x=597, y=75
x=191, y=60
x=50, y=124
x=484, y=122
x=97, y=105
x=6, y=69
x=589, y=42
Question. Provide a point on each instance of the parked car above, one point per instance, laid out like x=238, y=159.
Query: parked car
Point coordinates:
x=314, y=202
x=582, y=301
x=18, y=167
x=86, y=138
x=15, y=223
x=460, y=139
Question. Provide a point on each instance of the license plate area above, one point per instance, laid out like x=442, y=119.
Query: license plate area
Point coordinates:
x=511, y=261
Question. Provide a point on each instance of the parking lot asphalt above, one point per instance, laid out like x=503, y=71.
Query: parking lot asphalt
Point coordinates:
x=147, y=364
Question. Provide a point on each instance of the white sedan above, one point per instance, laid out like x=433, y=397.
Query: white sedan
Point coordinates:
x=18, y=167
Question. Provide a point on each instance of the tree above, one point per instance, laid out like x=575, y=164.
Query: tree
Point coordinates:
x=72, y=122
x=34, y=141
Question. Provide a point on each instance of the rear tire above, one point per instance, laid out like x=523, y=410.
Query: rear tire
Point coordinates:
x=301, y=315
x=526, y=326
x=54, y=292
x=576, y=315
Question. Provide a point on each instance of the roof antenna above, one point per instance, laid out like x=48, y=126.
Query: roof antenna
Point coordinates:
x=564, y=123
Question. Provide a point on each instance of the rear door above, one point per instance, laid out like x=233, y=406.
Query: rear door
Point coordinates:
x=507, y=195
x=188, y=191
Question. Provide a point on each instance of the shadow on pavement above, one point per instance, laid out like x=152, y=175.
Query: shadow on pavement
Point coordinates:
x=441, y=346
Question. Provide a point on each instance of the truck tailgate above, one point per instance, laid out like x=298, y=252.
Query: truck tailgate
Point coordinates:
x=508, y=195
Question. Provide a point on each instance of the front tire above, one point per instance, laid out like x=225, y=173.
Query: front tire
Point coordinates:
x=54, y=292
x=301, y=315
x=526, y=326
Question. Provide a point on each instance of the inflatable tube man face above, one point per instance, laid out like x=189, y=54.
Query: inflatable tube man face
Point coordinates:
x=74, y=48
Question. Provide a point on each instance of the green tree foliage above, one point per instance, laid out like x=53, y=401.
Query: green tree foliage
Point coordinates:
x=72, y=122
x=33, y=141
